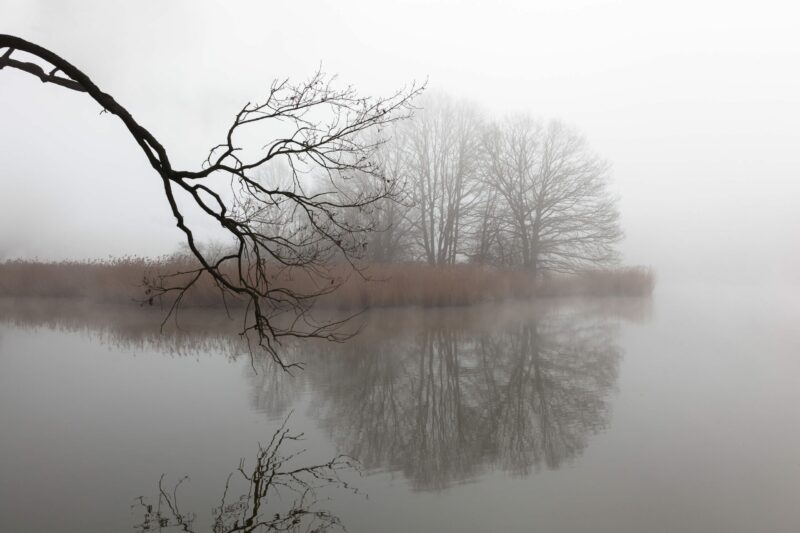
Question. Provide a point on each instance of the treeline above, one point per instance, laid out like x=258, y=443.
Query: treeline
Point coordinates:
x=515, y=193
x=466, y=209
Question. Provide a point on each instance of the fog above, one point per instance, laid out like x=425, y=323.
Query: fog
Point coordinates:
x=694, y=103
x=538, y=384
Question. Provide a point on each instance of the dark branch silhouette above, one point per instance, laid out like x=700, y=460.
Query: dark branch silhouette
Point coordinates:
x=324, y=132
x=279, y=495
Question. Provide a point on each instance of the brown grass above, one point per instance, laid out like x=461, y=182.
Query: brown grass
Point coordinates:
x=620, y=281
x=121, y=281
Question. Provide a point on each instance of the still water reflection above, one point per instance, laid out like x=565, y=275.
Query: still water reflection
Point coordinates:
x=567, y=416
x=446, y=400
x=248, y=502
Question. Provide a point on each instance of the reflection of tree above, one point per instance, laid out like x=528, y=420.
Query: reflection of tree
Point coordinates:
x=276, y=495
x=275, y=391
x=444, y=403
x=546, y=383
x=399, y=405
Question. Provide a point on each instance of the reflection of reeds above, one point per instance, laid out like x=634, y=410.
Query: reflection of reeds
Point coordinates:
x=621, y=281
x=121, y=281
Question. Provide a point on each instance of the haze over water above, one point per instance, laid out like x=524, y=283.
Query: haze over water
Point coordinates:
x=674, y=414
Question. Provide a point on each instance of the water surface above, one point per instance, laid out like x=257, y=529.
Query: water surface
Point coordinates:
x=671, y=414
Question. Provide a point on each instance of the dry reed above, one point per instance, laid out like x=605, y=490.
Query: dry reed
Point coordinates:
x=408, y=284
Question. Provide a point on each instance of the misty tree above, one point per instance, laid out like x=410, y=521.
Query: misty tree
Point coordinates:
x=318, y=129
x=443, y=162
x=390, y=238
x=487, y=244
x=553, y=203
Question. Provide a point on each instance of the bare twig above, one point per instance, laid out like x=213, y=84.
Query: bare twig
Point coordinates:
x=274, y=229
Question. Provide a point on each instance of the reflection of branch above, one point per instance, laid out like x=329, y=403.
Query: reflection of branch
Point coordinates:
x=271, y=478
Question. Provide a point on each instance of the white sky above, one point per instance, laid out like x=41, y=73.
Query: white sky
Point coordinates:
x=696, y=104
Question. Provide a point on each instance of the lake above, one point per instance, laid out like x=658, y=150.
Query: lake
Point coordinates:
x=676, y=413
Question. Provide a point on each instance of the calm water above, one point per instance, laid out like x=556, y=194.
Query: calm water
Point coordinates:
x=676, y=414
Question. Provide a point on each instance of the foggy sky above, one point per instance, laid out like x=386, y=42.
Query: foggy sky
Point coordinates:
x=696, y=105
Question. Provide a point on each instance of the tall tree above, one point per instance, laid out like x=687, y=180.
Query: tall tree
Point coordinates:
x=389, y=238
x=556, y=208
x=443, y=143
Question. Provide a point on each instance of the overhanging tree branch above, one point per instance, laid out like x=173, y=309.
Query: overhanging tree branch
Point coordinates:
x=273, y=228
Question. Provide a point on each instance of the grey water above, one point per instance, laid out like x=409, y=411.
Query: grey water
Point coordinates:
x=676, y=413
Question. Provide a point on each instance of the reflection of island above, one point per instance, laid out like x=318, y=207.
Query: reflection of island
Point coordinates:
x=443, y=402
x=440, y=395
x=130, y=327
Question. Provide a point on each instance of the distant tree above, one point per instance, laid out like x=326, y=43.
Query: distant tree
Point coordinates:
x=486, y=237
x=322, y=131
x=390, y=238
x=442, y=165
x=555, y=208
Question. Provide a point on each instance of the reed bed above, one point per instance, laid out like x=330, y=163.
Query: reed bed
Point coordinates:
x=382, y=285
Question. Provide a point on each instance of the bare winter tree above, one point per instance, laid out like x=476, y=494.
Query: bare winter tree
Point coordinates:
x=442, y=167
x=390, y=238
x=318, y=130
x=486, y=235
x=556, y=209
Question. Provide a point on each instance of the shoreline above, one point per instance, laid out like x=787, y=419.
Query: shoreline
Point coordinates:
x=121, y=281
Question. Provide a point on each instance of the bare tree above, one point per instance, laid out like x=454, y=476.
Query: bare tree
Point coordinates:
x=390, y=238
x=442, y=166
x=321, y=131
x=556, y=209
x=486, y=229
